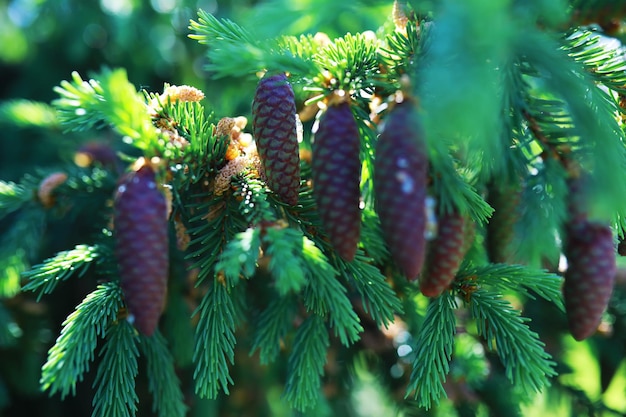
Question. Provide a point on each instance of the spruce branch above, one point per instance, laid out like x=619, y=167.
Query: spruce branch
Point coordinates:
x=378, y=298
x=351, y=63
x=453, y=192
x=240, y=256
x=214, y=224
x=18, y=247
x=433, y=351
x=28, y=113
x=604, y=61
x=544, y=209
x=179, y=333
x=527, y=365
x=591, y=110
x=215, y=342
x=109, y=99
x=287, y=264
x=44, y=278
x=79, y=105
x=324, y=295
x=306, y=363
x=115, y=381
x=12, y=197
x=272, y=326
x=402, y=49
x=10, y=330
x=73, y=351
x=521, y=279
x=254, y=202
x=168, y=399
x=233, y=51
x=372, y=238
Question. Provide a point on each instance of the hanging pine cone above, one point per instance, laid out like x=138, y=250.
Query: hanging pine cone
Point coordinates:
x=400, y=175
x=501, y=227
x=336, y=176
x=141, y=230
x=275, y=131
x=444, y=256
x=589, y=277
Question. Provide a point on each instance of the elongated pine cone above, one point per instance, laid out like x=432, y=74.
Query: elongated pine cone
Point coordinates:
x=589, y=277
x=501, y=227
x=274, y=128
x=400, y=176
x=445, y=254
x=141, y=230
x=336, y=176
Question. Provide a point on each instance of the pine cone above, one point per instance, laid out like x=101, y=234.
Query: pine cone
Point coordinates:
x=141, y=230
x=400, y=175
x=336, y=176
x=501, y=226
x=589, y=277
x=444, y=256
x=275, y=131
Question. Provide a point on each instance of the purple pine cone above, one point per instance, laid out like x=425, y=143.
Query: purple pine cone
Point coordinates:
x=141, y=230
x=400, y=177
x=589, y=277
x=275, y=132
x=445, y=255
x=336, y=176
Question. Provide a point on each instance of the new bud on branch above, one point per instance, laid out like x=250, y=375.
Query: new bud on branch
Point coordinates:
x=141, y=232
x=274, y=128
x=336, y=176
x=400, y=177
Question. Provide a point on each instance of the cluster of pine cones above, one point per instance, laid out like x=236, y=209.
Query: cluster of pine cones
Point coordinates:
x=400, y=184
x=400, y=180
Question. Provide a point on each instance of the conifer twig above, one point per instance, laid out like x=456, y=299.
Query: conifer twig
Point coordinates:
x=433, y=350
x=69, y=358
x=115, y=381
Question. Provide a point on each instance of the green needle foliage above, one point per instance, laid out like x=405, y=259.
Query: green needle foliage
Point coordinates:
x=272, y=326
x=306, y=363
x=167, y=396
x=73, y=351
x=115, y=380
x=12, y=197
x=215, y=342
x=434, y=347
x=528, y=366
x=44, y=278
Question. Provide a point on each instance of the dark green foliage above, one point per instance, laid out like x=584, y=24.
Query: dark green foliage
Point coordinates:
x=141, y=250
x=215, y=342
x=400, y=174
x=115, y=381
x=336, y=177
x=274, y=130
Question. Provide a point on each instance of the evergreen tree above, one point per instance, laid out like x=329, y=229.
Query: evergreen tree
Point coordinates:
x=230, y=276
